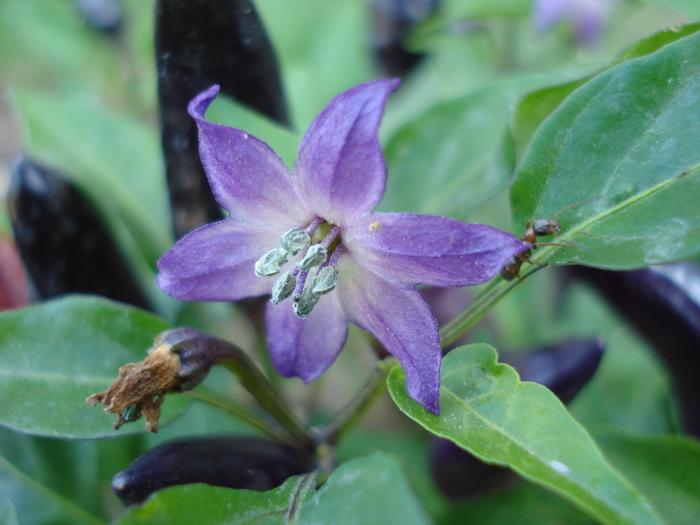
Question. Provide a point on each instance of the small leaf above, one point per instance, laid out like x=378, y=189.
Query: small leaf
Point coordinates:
x=627, y=140
x=488, y=411
x=370, y=489
x=666, y=468
x=34, y=503
x=53, y=356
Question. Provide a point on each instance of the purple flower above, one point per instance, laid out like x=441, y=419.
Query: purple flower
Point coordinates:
x=335, y=261
x=585, y=16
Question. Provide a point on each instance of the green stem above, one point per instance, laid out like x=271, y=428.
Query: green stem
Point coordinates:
x=241, y=412
x=260, y=387
x=486, y=300
x=352, y=413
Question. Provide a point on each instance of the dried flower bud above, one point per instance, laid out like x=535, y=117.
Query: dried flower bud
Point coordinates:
x=179, y=360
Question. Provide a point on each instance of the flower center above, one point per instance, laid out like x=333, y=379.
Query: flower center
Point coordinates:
x=319, y=244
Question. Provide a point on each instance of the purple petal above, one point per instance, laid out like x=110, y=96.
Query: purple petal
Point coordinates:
x=411, y=249
x=305, y=347
x=341, y=170
x=216, y=263
x=587, y=19
x=248, y=179
x=401, y=320
x=546, y=13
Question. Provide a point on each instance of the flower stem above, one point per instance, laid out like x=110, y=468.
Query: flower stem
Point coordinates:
x=487, y=299
x=241, y=412
x=353, y=412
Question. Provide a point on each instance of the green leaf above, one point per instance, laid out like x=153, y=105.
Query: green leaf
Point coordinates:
x=461, y=9
x=53, y=356
x=34, y=503
x=627, y=139
x=8, y=513
x=371, y=489
x=687, y=8
x=489, y=412
x=115, y=159
x=665, y=468
x=535, y=107
x=456, y=155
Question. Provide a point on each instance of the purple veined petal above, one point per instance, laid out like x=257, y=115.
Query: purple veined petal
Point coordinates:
x=248, y=179
x=341, y=170
x=217, y=263
x=409, y=249
x=401, y=320
x=305, y=347
x=546, y=13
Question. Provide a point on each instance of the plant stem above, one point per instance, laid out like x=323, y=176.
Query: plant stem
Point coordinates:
x=241, y=412
x=353, y=412
x=487, y=299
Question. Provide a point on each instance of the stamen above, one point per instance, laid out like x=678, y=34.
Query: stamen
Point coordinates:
x=311, y=228
x=305, y=303
x=325, y=280
x=271, y=262
x=315, y=255
x=295, y=240
x=283, y=288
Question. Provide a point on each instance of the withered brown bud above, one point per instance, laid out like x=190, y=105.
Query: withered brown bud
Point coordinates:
x=179, y=360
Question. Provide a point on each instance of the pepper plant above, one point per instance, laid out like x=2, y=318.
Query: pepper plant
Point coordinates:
x=348, y=262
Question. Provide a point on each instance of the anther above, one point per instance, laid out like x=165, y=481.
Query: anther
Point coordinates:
x=295, y=240
x=283, y=288
x=270, y=263
x=325, y=280
x=315, y=255
x=305, y=303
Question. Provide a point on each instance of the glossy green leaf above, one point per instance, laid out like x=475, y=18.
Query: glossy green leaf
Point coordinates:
x=489, y=412
x=53, y=356
x=455, y=156
x=116, y=159
x=33, y=503
x=627, y=139
x=535, y=107
x=370, y=489
x=8, y=513
x=666, y=468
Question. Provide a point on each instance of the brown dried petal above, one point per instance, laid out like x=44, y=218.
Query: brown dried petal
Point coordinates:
x=138, y=384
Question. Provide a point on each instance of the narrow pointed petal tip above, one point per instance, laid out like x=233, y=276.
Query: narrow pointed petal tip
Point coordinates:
x=341, y=169
x=199, y=104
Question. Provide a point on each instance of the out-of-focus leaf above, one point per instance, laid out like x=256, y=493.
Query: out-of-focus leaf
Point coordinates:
x=487, y=410
x=53, y=356
x=455, y=156
x=460, y=9
x=36, y=504
x=371, y=489
x=627, y=142
x=323, y=48
x=116, y=160
x=666, y=468
x=687, y=8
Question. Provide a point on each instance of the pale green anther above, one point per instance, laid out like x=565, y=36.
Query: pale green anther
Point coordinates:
x=315, y=255
x=305, y=303
x=283, y=288
x=271, y=262
x=325, y=280
x=295, y=240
